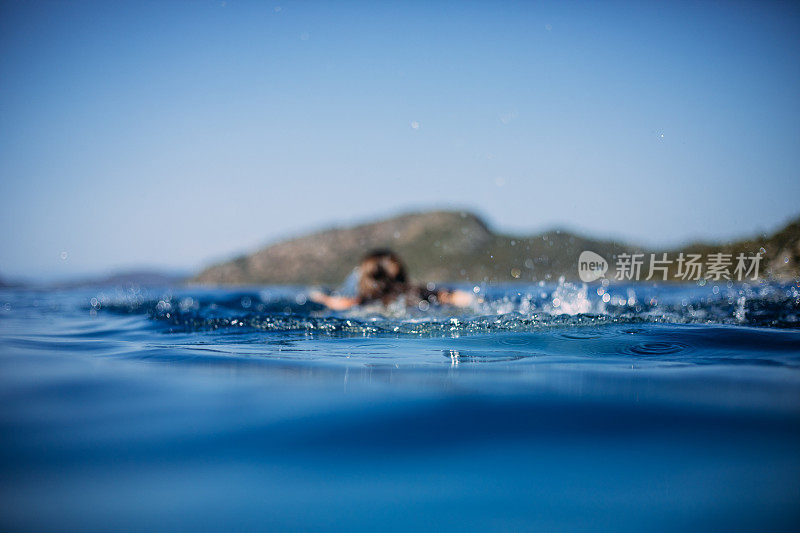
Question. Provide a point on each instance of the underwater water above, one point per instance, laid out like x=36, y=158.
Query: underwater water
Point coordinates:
x=553, y=406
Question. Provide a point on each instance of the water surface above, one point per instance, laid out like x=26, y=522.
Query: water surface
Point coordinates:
x=546, y=406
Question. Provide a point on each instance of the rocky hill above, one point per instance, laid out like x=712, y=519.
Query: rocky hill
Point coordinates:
x=459, y=246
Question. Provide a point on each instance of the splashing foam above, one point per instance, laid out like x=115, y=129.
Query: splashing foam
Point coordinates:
x=500, y=309
x=570, y=299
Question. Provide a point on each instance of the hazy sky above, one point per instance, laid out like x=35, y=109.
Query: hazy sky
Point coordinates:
x=176, y=133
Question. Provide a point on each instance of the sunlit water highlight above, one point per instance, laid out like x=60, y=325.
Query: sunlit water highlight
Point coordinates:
x=552, y=405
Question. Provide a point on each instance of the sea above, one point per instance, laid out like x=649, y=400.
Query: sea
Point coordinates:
x=546, y=406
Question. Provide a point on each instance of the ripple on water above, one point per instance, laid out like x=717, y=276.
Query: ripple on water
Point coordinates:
x=519, y=340
x=582, y=335
x=657, y=348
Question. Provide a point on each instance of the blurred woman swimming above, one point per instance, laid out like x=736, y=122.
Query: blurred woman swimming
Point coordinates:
x=383, y=278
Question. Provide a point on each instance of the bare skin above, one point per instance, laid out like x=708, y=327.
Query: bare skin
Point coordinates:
x=337, y=303
x=457, y=298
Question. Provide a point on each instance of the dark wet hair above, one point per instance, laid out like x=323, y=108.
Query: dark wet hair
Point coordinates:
x=382, y=277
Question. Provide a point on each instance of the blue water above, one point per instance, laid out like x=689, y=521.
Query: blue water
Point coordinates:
x=543, y=407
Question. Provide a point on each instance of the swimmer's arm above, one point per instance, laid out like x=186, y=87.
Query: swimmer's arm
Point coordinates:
x=456, y=298
x=337, y=303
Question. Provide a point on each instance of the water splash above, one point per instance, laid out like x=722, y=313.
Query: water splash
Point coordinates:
x=501, y=308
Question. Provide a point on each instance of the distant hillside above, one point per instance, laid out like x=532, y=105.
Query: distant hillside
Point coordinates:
x=137, y=278
x=8, y=284
x=458, y=246
x=781, y=250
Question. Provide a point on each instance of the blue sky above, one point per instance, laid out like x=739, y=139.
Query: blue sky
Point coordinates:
x=172, y=134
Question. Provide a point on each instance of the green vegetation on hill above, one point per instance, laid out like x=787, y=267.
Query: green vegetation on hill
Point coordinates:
x=459, y=246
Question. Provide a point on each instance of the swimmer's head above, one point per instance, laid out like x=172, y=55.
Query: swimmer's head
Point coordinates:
x=382, y=276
